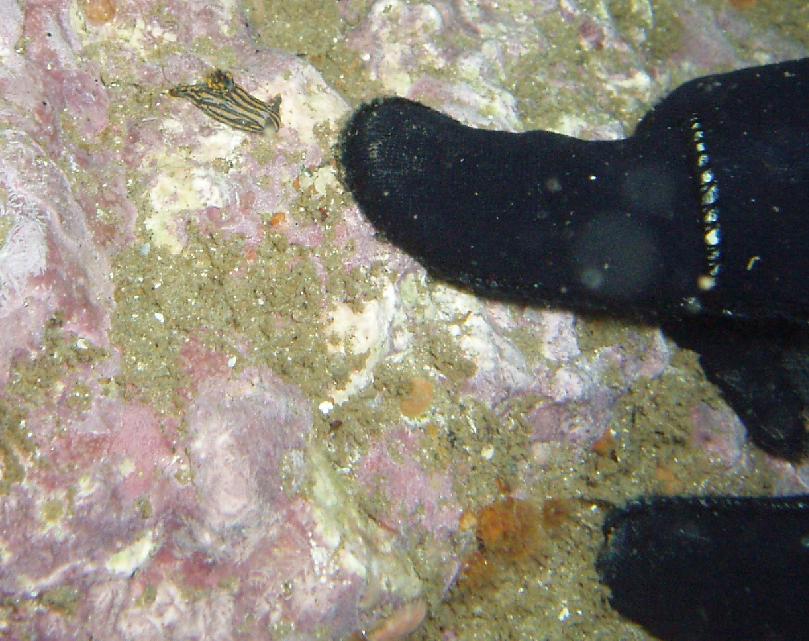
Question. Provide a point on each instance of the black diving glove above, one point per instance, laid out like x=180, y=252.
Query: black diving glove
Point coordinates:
x=697, y=221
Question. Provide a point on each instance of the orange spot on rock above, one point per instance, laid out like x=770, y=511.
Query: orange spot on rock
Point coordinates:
x=606, y=446
x=98, y=12
x=508, y=533
x=512, y=535
x=468, y=521
x=278, y=218
x=419, y=399
x=509, y=528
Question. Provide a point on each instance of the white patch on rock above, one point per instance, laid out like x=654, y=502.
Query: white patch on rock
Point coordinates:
x=130, y=558
x=181, y=185
x=364, y=332
x=23, y=252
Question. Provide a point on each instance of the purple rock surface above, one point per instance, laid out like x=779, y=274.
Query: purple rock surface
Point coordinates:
x=229, y=411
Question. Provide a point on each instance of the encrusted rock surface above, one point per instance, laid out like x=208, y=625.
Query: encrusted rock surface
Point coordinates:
x=228, y=410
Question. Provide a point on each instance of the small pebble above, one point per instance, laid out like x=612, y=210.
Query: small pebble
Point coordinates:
x=98, y=12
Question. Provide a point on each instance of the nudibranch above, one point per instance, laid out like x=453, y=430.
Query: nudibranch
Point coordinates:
x=222, y=99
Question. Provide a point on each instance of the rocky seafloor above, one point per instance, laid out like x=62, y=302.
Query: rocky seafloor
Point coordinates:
x=229, y=411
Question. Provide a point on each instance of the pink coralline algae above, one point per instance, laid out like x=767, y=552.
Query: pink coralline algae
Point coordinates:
x=48, y=263
x=232, y=459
